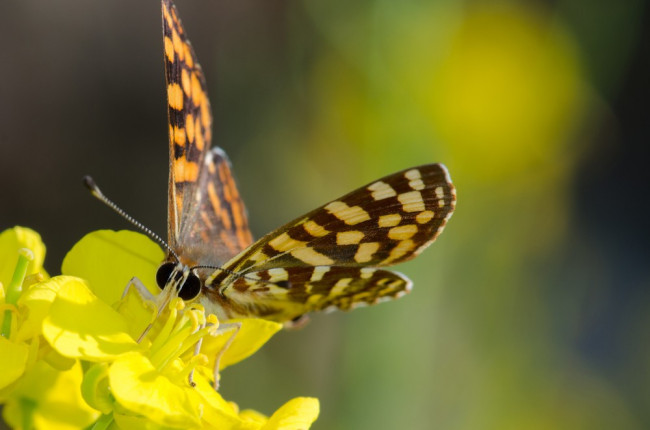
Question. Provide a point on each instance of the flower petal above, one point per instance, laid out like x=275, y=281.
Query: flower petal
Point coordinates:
x=140, y=388
x=137, y=311
x=254, y=333
x=296, y=414
x=217, y=412
x=13, y=359
x=37, y=300
x=254, y=416
x=11, y=240
x=132, y=422
x=79, y=325
x=52, y=399
x=109, y=259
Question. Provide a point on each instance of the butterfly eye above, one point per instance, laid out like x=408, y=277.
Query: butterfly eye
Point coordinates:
x=163, y=274
x=190, y=288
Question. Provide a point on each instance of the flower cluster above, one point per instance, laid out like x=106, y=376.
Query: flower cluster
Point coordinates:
x=74, y=355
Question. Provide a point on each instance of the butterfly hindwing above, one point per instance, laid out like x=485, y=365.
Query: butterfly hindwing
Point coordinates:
x=284, y=294
x=215, y=226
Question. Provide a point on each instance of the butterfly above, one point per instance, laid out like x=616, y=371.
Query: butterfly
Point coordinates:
x=330, y=258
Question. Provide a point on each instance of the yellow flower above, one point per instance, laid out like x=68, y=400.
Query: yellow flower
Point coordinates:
x=21, y=256
x=48, y=398
x=144, y=383
x=36, y=383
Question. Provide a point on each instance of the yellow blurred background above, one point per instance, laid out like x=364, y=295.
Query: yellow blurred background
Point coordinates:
x=529, y=312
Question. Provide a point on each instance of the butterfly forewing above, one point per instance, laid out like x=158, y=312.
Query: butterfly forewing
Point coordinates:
x=207, y=218
x=190, y=118
x=386, y=222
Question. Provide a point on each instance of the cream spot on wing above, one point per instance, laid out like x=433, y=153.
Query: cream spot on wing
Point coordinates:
x=277, y=274
x=402, y=232
x=314, y=229
x=381, y=190
x=314, y=299
x=319, y=272
x=340, y=286
x=349, y=237
x=402, y=248
x=276, y=291
x=412, y=174
x=312, y=257
x=365, y=252
x=361, y=298
x=417, y=184
x=350, y=215
x=366, y=272
x=411, y=201
x=390, y=220
x=440, y=192
x=424, y=217
x=258, y=256
x=285, y=243
x=415, y=180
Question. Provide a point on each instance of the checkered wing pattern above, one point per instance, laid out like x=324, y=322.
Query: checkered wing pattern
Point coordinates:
x=205, y=209
x=215, y=226
x=329, y=257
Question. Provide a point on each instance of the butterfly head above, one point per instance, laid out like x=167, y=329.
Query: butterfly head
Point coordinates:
x=180, y=277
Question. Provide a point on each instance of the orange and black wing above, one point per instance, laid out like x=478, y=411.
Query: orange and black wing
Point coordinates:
x=215, y=227
x=203, y=203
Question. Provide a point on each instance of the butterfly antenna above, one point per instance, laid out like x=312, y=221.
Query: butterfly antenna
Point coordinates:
x=97, y=193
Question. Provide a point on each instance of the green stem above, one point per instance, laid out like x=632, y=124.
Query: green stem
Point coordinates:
x=103, y=422
x=15, y=288
x=27, y=407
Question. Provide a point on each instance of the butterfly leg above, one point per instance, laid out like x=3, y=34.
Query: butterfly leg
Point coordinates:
x=136, y=283
x=226, y=326
x=159, y=301
x=197, y=350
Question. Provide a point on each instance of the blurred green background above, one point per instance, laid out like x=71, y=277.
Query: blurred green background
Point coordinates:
x=529, y=312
